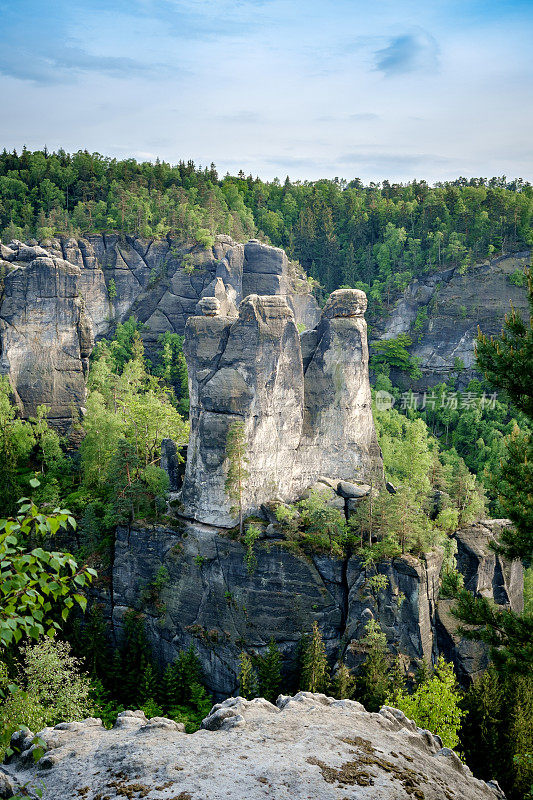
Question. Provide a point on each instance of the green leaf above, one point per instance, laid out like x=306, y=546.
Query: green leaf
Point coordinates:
x=34, y=483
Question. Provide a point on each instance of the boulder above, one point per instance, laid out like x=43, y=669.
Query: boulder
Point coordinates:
x=351, y=490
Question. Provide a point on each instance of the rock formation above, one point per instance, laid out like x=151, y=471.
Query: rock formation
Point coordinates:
x=308, y=747
x=306, y=407
x=487, y=574
x=54, y=298
x=213, y=602
x=455, y=304
x=46, y=335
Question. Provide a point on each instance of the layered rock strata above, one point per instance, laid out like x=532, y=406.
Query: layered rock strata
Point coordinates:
x=305, y=405
x=46, y=334
x=307, y=746
x=56, y=297
x=447, y=308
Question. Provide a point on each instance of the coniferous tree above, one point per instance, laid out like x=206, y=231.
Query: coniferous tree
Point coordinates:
x=373, y=683
x=247, y=677
x=343, y=683
x=315, y=667
x=148, y=685
x=269, y=673
x=135, y=657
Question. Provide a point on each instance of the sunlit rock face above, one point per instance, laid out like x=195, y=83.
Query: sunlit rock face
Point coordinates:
x=306, y=746
x=46, y=335
x=305, y=404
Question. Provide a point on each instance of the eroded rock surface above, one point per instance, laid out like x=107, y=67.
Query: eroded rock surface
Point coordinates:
x=455, y=304
x=485, y=574
x=46, y=334
x=213, y=601
x=55, y=298
x=305, y=405
x=307, y=747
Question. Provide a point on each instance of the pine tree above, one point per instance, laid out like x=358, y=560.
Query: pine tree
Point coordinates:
x=497, y=734
x=343, y=683
x=373, y=683
x=269, y=673
x=135, y=657
x=179, y=678
x=148, y=685
x=315, y=667
x=247, y=677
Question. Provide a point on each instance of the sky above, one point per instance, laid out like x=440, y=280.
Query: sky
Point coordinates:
x=313, y=89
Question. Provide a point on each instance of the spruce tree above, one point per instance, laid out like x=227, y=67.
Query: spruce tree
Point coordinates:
x=343, y=683
x=148, y=685
x=135, y=657
x=373, y=683
x=247, y=677
x=269, y=673
x=315, y=667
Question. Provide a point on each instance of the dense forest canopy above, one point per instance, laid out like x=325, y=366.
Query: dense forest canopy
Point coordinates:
x=377, y=237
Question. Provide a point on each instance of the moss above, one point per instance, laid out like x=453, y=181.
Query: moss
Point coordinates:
x=358, y=770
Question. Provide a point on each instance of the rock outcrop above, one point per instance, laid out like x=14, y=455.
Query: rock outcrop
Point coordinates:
x=305, y=406
x=55, y=298
x=455, y=305
x=211, y=600
x=46, y=334
x=485, y=574
x=307, y=747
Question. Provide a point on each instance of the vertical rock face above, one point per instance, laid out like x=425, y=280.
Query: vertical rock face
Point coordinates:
x=339, y=435
x=298, y=425
x=46, y=336
x=486, y=574
x=246, y=369
x=160, y=282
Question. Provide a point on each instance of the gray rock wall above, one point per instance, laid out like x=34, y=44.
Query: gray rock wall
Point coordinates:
x=212, y=601
x=46, y=334
x=303, y=416
x=56, y=294
x=456, y=304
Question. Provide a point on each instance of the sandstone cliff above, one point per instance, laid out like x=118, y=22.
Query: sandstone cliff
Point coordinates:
x=305, y=406
x=307, y=747
x=212, y=601
x=56, y=298
x=455, y=305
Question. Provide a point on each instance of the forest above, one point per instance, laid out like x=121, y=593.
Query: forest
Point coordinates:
x=376, y=237
x=57, y=658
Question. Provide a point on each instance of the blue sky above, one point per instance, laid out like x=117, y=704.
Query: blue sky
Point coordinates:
x=374, y=89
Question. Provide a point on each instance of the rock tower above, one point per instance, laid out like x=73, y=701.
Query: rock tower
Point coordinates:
x=305, y=402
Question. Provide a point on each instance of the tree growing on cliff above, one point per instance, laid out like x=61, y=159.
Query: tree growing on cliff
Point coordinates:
x=315, y=667
x=237, y=472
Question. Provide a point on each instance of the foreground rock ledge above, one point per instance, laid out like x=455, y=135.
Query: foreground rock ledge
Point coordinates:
x=308, y=747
